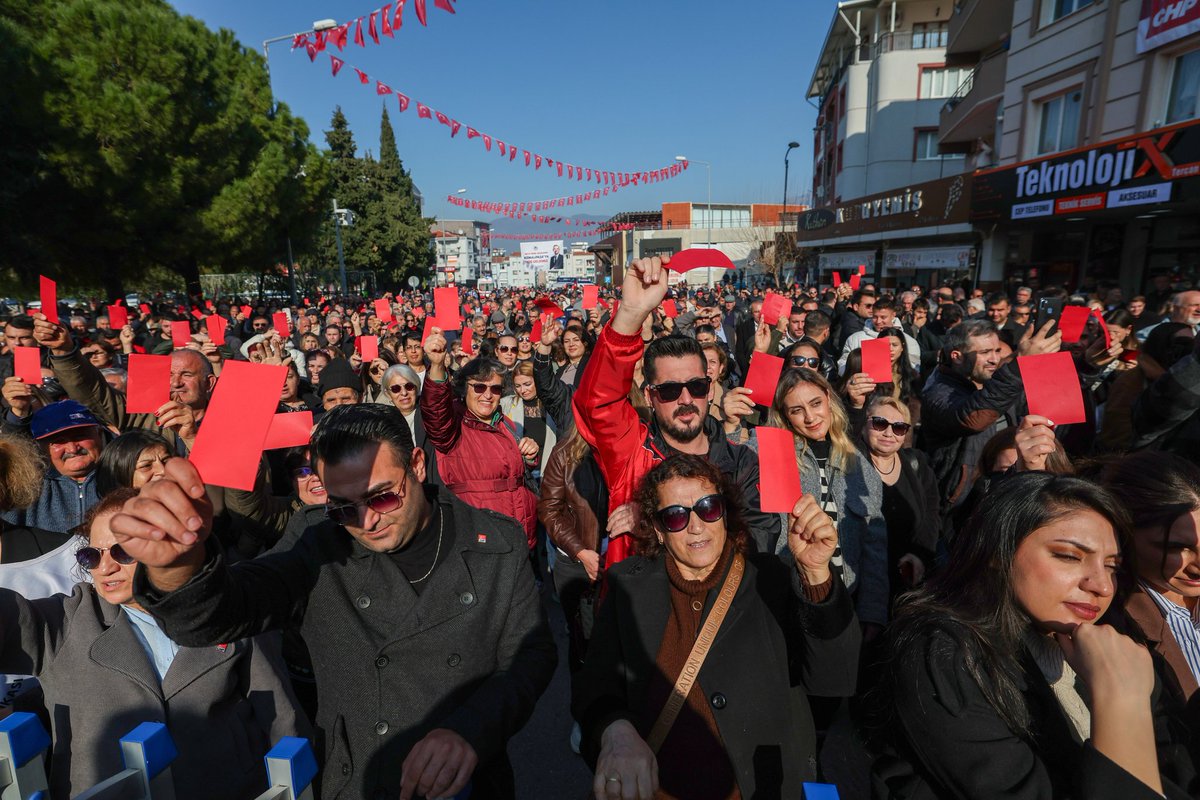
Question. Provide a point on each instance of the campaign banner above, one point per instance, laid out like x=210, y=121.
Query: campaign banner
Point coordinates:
x=542, y=256
x=1165, y=21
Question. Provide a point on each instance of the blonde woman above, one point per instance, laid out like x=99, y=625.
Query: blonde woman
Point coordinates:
x=843, y=481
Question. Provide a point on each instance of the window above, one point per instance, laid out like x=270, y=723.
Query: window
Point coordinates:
x=1185, y=86
x=1059, y=125
x=942, y=81
x=929, y=34
x=927, y=145
x=1057, y=9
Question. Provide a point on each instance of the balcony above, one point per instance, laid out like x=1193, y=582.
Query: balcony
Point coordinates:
x=977, y=27
x=971, y=113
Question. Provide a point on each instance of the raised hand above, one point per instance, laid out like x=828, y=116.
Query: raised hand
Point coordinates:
x=1040, y=342
x=1035, y=442
x=643, y=290
x=812, y=538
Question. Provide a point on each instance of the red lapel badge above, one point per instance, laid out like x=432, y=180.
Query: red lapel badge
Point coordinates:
x=481, y=538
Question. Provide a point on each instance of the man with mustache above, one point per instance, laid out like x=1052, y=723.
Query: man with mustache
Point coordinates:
x=678, y=392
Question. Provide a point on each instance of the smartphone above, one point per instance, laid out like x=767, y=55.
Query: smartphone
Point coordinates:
x=1049, y=308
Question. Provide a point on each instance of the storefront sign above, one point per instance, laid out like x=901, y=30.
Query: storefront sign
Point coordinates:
x=1135, y=170
x=1164, y=21
x=847, y=261
x=957, y=257
x=942, y=202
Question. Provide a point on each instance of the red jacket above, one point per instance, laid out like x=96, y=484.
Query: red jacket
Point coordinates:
x=479, y=462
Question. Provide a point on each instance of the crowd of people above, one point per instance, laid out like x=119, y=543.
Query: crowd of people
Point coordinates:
x=967, y=600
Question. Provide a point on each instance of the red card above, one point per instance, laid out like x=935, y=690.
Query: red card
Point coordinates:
x=383, y=310
x=197, y=313
x=1103, y=328
x=775, y=306
x=49, y=299
x=1072, y=322
x=289, y=429
x=181, y=333
x=145, y=307
x=670, y=308
x=1052, y=387
x=208, y=304
x=778, y=472
x=877, y=358
x=862, y=269
x=430, y=324
x=279, y=321
x=591, y=297
x=245, y=310
x=535, y=335
x=118, y=317
x=468, y=339
x=855, y=281
x=27, y=364
x=446, y=305
x=548, y=306
x=763, y=377
x=837, y=279
x=230, y=442
x=698, y=257
x=368, y=348
x=216, y=329
x=149, y=384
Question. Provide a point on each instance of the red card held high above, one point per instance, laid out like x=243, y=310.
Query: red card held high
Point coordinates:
x=775, y=306
x=27, y=365
x=591, y=296
x=837, y=279
x=696, y=257
x=239, y=414
x=1052, y=387
x=368, y=348
x=430, y=324
x=778, y=472
x=855, y=281
x=1072, y=322
x=670, y=309
x=279, y=321
x=763, y=377
x=446, y=305
x=877, y=358
x=49, y=297
x=468, y=340
x=118, y=317
x=181, y=333
x=216, y=329
x=149, y=384
x=383, y=310
x=289, y=429
x=535, y=335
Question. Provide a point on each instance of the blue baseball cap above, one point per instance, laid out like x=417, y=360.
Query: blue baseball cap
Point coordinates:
x=60, y=416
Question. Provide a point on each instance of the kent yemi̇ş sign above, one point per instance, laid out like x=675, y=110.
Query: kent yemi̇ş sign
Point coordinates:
x=1133, y=171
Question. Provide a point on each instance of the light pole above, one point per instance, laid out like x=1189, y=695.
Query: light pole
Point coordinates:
x=708, y=169
x=783, y=216
x=341, y=217
x=319, y=25
x=442, y=239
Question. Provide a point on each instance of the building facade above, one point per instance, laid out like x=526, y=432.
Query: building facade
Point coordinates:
x=462, y=252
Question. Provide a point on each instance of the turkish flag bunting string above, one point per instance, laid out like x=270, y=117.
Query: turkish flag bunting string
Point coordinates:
x=587, y=233
x=528, y=209
x=609, y=180
x=381, y=20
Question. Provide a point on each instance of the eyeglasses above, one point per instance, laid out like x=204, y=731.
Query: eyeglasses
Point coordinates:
x=303, y=472
x=89, y=557
x=812, y=362
x=490, y=388
x=382, y=503
x=673, y=519
x=523, y=340
x=669, y=392
x=402, y=387
x=879, y=425
x=506, y=348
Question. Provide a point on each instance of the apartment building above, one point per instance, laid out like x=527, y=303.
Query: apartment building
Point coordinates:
x=462, y=251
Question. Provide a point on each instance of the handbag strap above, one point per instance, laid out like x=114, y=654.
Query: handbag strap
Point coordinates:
x=691, y=668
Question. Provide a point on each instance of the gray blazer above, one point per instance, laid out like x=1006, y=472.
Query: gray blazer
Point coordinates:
x=224, y=705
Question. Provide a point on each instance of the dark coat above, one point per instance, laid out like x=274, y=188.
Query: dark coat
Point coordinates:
x=472, y=653
x=773, y=649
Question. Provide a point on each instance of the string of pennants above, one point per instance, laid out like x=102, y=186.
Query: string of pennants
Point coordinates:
x=516, y=210
x=585, y=233
x=383, y=21
x=611, y=179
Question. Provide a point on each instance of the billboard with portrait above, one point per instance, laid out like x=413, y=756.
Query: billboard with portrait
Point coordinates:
x=543, y=256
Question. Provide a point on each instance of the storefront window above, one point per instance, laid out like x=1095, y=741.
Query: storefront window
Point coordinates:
x=1185, y=86
x=1059, y=127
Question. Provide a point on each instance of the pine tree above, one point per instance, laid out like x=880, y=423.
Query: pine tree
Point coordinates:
x=339, y=138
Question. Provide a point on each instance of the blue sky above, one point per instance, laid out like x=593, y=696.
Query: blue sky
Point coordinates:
x=622, y=85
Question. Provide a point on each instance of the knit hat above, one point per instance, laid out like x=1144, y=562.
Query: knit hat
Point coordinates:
x=338, y=375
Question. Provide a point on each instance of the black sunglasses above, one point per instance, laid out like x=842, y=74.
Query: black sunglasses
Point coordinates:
x=89, y=557
x=382, y=503
x=406, y=387
x=505, y=348
x=879, y=425
x=673, y=519
x=812, y=362
x=669, y=392
x=491, y=388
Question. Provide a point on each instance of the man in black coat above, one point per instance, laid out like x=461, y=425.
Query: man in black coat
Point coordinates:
x=428, y=643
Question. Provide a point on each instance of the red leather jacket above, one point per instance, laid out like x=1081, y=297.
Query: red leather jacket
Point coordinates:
x=478, y=461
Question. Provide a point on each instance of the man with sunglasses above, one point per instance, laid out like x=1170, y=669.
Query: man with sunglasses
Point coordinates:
x=678, y=392
x=428, y=640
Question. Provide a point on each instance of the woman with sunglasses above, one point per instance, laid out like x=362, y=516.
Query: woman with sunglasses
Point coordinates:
x=745, y=728
x=911, y=501
x=373, y=389
x=1000, y=682
x=105, y=666
x=480, y=457
x=859, y=389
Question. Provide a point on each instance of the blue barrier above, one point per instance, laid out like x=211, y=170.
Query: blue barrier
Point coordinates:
x=147, y=751
x=820, y=791
x=23, y=746
x=291, y=768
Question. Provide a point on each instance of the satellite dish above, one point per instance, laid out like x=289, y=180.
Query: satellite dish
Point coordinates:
x=414, y=281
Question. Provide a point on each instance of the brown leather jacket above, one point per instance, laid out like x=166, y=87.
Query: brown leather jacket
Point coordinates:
x=569, y=520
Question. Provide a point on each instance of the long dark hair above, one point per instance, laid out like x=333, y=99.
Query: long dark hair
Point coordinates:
x=118, y=459
x=972, y=599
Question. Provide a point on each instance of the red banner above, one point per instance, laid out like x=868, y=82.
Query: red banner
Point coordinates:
x=1164, y=21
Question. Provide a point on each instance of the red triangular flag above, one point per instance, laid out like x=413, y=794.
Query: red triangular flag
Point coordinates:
x=371, y=30
x=454, y=126
x=336, y=63
x=444, y=5
x=528, y=157
x=398, y=19
x=403, y=101
x=358, y=34
x=487, y=142
x=442, y=118
x=362, y=76
x=382, y=88
x=311, y=49
x=471, y=132
x=503, y=147
x=385, y=20
x=423, y=111
x=420, y=5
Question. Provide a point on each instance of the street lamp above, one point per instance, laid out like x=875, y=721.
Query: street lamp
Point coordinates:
x=341, y=217
x=783, y=216
x=319, y=25
x=708, y=168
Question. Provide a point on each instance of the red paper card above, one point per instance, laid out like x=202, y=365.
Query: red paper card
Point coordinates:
x=149, y=384
x=775, y=306
x=1052, y=387
x=535, y=335
x=778, y=473
x=1103, y=328
x=591, y=297
x=197, y=314
x=368, y=348
x=837, y=279
x=877, y=358
x=27, y=364
x=862, y=269
x=468, y=339
x=145, y=308
x=695, y=257
x=230, y=443
x=670, y=309
x=763, y=377
x=289, y=429
x=1072, y=322
x=550, y=307
x=49, y=291
x=855, y=281
x=208, y=304
x=430, y=324
x=216, y=329
x=279, y=321
x=118, y=317
x=383, y=310
x=446, y=305
x=181, y=333
x=246, y=311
